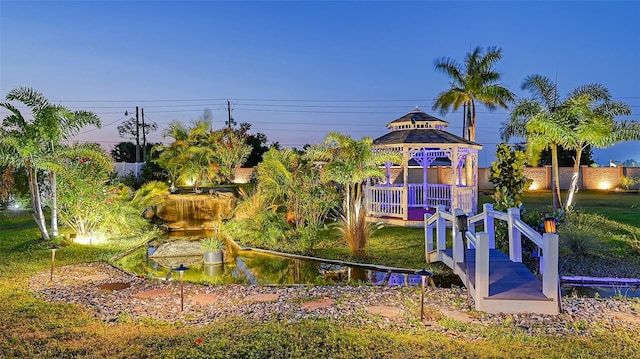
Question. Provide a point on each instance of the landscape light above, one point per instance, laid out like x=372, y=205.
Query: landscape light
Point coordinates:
x=550, y=225
x=424, y=273
x=181, y=270
x=53, y=249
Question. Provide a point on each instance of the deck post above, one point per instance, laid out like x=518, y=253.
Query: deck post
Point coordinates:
x=428, y=235
x=405, y=184
x=458, y=242
x=515, y=242
x=441, y=229
x=482, y=269
x=489, y=224
x=550, y=264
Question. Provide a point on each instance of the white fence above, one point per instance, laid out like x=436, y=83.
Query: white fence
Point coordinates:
x=123, y=169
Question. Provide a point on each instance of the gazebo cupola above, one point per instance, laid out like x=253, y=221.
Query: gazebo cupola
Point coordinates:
x=417, y=119
x=422, y=139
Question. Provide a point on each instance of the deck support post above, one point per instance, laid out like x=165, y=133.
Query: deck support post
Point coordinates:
x=482, y=269
x=441, y=229
x=458, y=242
x=515, y=242
x=550, y=265
x=405, y=183
x=489, y=224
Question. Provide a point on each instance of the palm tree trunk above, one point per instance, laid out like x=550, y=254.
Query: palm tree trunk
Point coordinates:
x=557, y=200
x=575, y=176
x=38, y=216
x=472, y=122
x=53, y=180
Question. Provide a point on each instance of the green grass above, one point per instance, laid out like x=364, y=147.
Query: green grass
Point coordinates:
x=31, y=327
x=623, y=207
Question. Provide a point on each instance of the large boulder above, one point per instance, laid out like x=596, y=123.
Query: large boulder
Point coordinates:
x=178, y=249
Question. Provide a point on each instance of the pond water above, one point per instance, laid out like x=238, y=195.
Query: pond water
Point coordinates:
x=253, y=268
x=601, y=292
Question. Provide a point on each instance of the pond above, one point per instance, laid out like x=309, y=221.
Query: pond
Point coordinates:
x=253, y=268
x=601, y=291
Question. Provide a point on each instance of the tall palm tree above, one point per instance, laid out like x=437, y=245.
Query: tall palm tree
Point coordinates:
x=34, y=143
x=350, y=163
x=474, y=80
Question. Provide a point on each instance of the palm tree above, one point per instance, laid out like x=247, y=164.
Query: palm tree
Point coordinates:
x=538, y=120
x=584, y=118
x=349, y=164
x=591, y=113
x=475, y=80
x=35, y=144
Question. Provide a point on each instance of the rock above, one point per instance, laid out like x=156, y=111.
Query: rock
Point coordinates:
x=178, y=249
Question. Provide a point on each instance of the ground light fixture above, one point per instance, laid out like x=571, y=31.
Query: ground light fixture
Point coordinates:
x=53, y=249
x=462, y=221
x=424, y=274
x=181, y=270
x=550, y=225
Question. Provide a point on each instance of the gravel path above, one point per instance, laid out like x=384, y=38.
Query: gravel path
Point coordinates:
x=114, y=295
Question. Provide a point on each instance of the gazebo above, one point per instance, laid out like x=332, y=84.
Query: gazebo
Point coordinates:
x=412, y=192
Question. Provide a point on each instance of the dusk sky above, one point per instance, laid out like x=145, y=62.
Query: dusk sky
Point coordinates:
x=298, y=70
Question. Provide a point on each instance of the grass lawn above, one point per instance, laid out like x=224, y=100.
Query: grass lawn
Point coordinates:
x=33, y=328
x=623, y=207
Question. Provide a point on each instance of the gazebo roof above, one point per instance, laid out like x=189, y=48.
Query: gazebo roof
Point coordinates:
x=426, y=136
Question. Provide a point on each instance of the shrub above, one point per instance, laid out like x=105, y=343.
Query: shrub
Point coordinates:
x=579, y=234
x=629, y=182
x=507, y=175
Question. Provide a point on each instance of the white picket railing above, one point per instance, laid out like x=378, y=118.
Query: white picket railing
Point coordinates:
x=484, y=241
x=384, y=201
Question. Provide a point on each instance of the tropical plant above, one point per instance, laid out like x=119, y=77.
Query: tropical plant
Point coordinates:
x=38, y=143
x=591, y=118
x=84, y=193
x=211, y=244
x=349, y=163
x=199, y=154
x=473, y=81
x=293, y=182
x=585, y=118
x=507, y=175
x=231, y=149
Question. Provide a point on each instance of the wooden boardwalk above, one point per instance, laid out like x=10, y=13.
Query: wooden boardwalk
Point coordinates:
x=507, y=280
x=498, y=282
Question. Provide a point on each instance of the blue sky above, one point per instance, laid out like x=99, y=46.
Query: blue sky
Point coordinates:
x=298, y=70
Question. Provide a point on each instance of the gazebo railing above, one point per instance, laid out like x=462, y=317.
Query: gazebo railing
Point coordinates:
x=384, y=201
x=467, y=199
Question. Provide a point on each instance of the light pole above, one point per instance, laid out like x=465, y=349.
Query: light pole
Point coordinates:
x=463, y=227
x=181, y=270
x=53, y=249
x=424, y=273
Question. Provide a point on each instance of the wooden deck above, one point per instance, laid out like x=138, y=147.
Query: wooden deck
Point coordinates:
x=507, y=280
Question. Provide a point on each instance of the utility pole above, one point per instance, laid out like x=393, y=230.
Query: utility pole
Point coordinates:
x=144, y=139
x=229, y=113
x=137, y=137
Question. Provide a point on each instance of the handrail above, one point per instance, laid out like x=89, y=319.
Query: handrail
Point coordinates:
x=529, y=232
x=471, y=238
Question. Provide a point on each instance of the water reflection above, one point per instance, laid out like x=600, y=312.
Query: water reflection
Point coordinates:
x=250, y=267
